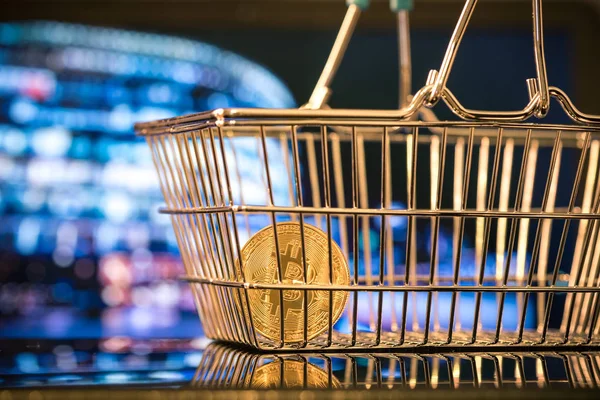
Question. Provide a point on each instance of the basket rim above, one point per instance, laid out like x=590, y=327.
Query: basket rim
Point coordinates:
x=339, y=117
x=407, y=288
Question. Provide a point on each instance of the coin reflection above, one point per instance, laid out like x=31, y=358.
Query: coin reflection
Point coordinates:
x=291, y=374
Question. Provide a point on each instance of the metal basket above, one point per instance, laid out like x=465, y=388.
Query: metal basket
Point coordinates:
x=224, y=367
x=456, y=233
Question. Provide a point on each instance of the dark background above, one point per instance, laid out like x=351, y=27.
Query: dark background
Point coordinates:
x=292, y=38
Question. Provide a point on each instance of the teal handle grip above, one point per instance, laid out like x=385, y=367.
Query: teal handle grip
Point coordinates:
x=362, y=4
x=401, y=5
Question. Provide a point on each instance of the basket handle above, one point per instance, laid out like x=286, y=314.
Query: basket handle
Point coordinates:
x=435, y=88
x=402, y=9
x=539, y=90
x=321, y=92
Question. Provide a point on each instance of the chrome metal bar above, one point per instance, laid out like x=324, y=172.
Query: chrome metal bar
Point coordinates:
x=240, y=184
x=513, y=231
x=481, y=190
x=536, y=243
x=526, y=206
x=583, y=224
x=207, y=220
x=236, y=262
x=355, y=247
x=439, y=191
x=195, y=220
x=570, y=311
x=299, y=203
x=534, y=213
x=451, y=51
x=478, y=115
x=587, y=279
x=314, y=178
x=209, y=192
x=458, y=180
x=280, y=274
x=486, y=232
x=546, y=235
x=404, y=58
x=411, y=245
x=322, y=91
x=505, y=182
x=563, y=239
x=424, y=278
x=364, y=203
x=237, y=117
x=285, y=154
x=435, y=179
x=211, y=167
x=340, y=199
x=184, y=225
x=592, y=279
x=407, y=288
x=540, y=60
x=461, y=230
x=178, y=234
x=570, y=108
x=389, y=238
x=327, y=190
x=382, y=230
x=225, y=232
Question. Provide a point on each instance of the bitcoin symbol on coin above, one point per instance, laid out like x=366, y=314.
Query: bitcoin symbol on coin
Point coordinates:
x=260, y=264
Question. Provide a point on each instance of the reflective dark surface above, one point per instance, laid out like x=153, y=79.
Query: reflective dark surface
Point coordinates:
x=197, y=364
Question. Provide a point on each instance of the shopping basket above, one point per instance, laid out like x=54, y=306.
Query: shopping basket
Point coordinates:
x=477, y=232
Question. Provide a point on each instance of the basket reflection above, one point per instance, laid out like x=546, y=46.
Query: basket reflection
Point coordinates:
x=228, y=367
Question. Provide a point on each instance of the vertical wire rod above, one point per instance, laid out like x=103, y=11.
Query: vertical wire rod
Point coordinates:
x=563, y=238
x=208, y=194
x=585, y=248
x=461, y=231
x=436, y=203
x=586, y=204
x=486, y=229
x=265, y=154
x=193, y=233
x=299, y=202
x=225, y=233
x=212, y=195
x=536, y=245
x=513, y=231
x=355, y=182
x=238, y=176
x=235, y=229
x=327, y=190
x=382, y=232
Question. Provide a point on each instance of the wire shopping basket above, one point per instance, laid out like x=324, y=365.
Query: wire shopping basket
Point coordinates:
x=346, y=229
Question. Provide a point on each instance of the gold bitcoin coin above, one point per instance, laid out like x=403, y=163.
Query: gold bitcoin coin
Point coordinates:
x=259, y=263
x=271, y=376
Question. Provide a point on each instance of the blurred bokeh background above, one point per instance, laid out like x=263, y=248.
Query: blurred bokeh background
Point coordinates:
x=83, y=250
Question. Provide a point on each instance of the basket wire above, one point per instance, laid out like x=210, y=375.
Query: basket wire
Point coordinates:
x=455, y=233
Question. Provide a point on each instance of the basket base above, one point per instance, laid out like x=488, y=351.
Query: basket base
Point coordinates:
x=414, y=342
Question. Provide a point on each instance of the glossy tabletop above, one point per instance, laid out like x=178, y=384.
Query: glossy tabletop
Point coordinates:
x=118, y=364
